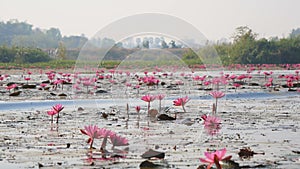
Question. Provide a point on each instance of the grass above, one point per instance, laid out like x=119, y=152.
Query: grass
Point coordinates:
x=108, y=64
x=111, y=64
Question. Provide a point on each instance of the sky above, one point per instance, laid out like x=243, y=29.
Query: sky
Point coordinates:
x=215, y=19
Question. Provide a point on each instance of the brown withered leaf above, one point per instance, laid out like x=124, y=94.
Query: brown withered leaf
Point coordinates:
x=246, y=152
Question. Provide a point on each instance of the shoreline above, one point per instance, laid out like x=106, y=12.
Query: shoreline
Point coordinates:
x=252, y=117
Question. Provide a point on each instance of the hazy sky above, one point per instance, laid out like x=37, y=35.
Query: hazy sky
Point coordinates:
x=216, y=19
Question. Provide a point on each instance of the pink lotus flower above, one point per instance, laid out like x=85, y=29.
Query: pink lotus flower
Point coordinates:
x=217, y=81
x=212, y=124
x=118, y=140
x=138, y=108
x=105, y=133
x=215, y=158
x=267, y=74
x=27, y=79
x=112, y=71
x=236, y=85
x=148, y=98
x=128, y=84
x=101, y=77
x=58, y=82
x=87, y=83
x=211, y=120
x=241, y=77
x=206, y=83
x=289, y=84
x=181, y=102
x=93, y=132
x=160, y=97
x=270, y=80
x=269, y=84
x=51, y=76
x=12, y=86
x=232, y=77
x=51, y=113
x=58, y=108
x=216, y=95
x=76, y=87
x=43, y=85
x=112, y=81
x=199, y=78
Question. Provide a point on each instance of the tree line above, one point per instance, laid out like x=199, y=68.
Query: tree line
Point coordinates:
x=22, y=55
x=15, y=33
x=21, y=43
x=247, y=49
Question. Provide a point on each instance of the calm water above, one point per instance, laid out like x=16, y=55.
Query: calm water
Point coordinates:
x=42, y=104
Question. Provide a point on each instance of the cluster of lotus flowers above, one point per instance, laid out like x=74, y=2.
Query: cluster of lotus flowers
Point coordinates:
x=94, y=132
x=181, y=101
x=55, y=111
x=178, y=102
x=212, y=124
x=78, y=81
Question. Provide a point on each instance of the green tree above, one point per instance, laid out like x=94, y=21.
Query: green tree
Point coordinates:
x=223, y=51
x=243, y=46
x=189, y=54
x=28, y=55
x=33, y=55
x=6, y=54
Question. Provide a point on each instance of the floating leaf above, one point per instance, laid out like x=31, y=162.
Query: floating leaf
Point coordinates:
x=153, y=154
